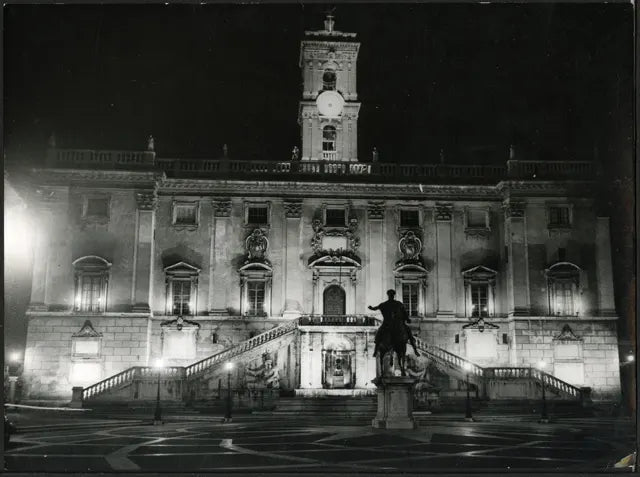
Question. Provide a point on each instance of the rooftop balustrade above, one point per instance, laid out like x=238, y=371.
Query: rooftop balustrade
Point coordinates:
x=325, y=170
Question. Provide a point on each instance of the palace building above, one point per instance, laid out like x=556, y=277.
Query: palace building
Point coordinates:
x=504, y=269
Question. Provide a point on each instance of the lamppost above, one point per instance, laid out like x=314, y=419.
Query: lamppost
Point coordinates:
x=467, y=415
x=157, y=417
x=229, y=368
x=14, y=359
x=544, y=418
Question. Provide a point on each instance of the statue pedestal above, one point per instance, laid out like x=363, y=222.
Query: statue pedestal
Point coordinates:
x=395, y=403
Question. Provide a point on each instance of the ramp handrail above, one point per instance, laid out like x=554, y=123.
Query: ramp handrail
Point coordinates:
x=549, y=380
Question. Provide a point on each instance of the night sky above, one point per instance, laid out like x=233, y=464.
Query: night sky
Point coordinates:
x=468, y=78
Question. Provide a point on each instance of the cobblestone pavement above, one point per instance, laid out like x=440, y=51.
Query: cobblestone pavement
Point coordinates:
x=253, y=444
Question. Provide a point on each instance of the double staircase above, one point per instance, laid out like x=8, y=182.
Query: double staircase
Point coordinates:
x=181, y=384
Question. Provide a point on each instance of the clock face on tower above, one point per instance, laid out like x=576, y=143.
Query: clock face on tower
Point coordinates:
x=330, y=104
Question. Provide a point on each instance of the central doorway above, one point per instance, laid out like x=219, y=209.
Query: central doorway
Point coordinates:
x=334, y=300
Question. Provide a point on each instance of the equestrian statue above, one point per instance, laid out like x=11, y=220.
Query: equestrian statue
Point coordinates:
x=394, y=333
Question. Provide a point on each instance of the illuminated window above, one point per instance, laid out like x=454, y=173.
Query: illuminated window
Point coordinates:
x=255, y=289
x=410, y=297
x=479, y=283
x=181, y=292
x=564, y=285
x=255, y=297
x=329, y=136
x=479, y=300
x=182, y=287
x=91, y=274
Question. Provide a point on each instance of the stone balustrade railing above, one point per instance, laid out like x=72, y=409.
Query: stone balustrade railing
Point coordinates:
x=77, y=158
x=131, y=374
x=550, y=170
x=514, y=169
x=550, y=381
x=338, y=320
x=461, y=364
x=224, y=356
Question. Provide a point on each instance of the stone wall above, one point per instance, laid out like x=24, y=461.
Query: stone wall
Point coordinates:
x=50, y=361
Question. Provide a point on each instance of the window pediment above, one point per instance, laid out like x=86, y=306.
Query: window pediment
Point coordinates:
x=91, y=262
x=563, y=270
x=334, y=260
x=181, y=268
x=479, y=274
x=87, y=331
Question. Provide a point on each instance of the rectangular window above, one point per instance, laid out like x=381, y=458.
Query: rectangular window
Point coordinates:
x=479, y=299
x=409, y=218
x=559, y=217
x=185, y=214
x=410, y=298
x=564, y=298
x=91, y=293
x=181, y=290
x=476, y=219
x=335, y=217
x=97, y=207
x=255, y=297
x=257, y=215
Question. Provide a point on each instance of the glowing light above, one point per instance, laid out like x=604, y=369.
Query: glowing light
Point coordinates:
x=14, y=357
x=228, y=366
x=630, y=358
x=18, y=234
x=159, y=363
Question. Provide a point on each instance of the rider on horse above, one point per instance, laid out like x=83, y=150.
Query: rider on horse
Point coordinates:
x=393, y=310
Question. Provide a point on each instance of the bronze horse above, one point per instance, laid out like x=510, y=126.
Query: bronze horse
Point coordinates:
x=393, y=334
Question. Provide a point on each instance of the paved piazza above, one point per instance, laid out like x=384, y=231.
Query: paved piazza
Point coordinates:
x=251, y=444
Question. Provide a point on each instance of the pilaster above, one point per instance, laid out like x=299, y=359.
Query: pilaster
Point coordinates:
x=518, y=298
x=293, y=278
x=218, y=281
x=444, y=275
x=43, y=206
x=143, y=258
x=375, y=272
x=604, y=272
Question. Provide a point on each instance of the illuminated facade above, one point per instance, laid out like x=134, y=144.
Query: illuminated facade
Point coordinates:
x=274, y=263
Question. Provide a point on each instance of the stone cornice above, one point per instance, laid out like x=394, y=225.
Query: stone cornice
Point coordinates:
x=545, y=188
x=87, y=177
x=323, y=189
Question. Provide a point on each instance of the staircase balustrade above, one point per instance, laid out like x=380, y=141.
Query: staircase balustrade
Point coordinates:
x=337, y=320
x=550, y=381
x=211, y=361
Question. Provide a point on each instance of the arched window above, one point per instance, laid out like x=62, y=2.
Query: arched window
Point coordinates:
x=91, y=275
x=329, y=136
x=564, y=284
x=329, y=80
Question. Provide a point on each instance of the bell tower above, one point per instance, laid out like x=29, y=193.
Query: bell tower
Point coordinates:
x=328, y=113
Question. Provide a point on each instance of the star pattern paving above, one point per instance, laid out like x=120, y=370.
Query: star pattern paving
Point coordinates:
x=268, y=445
